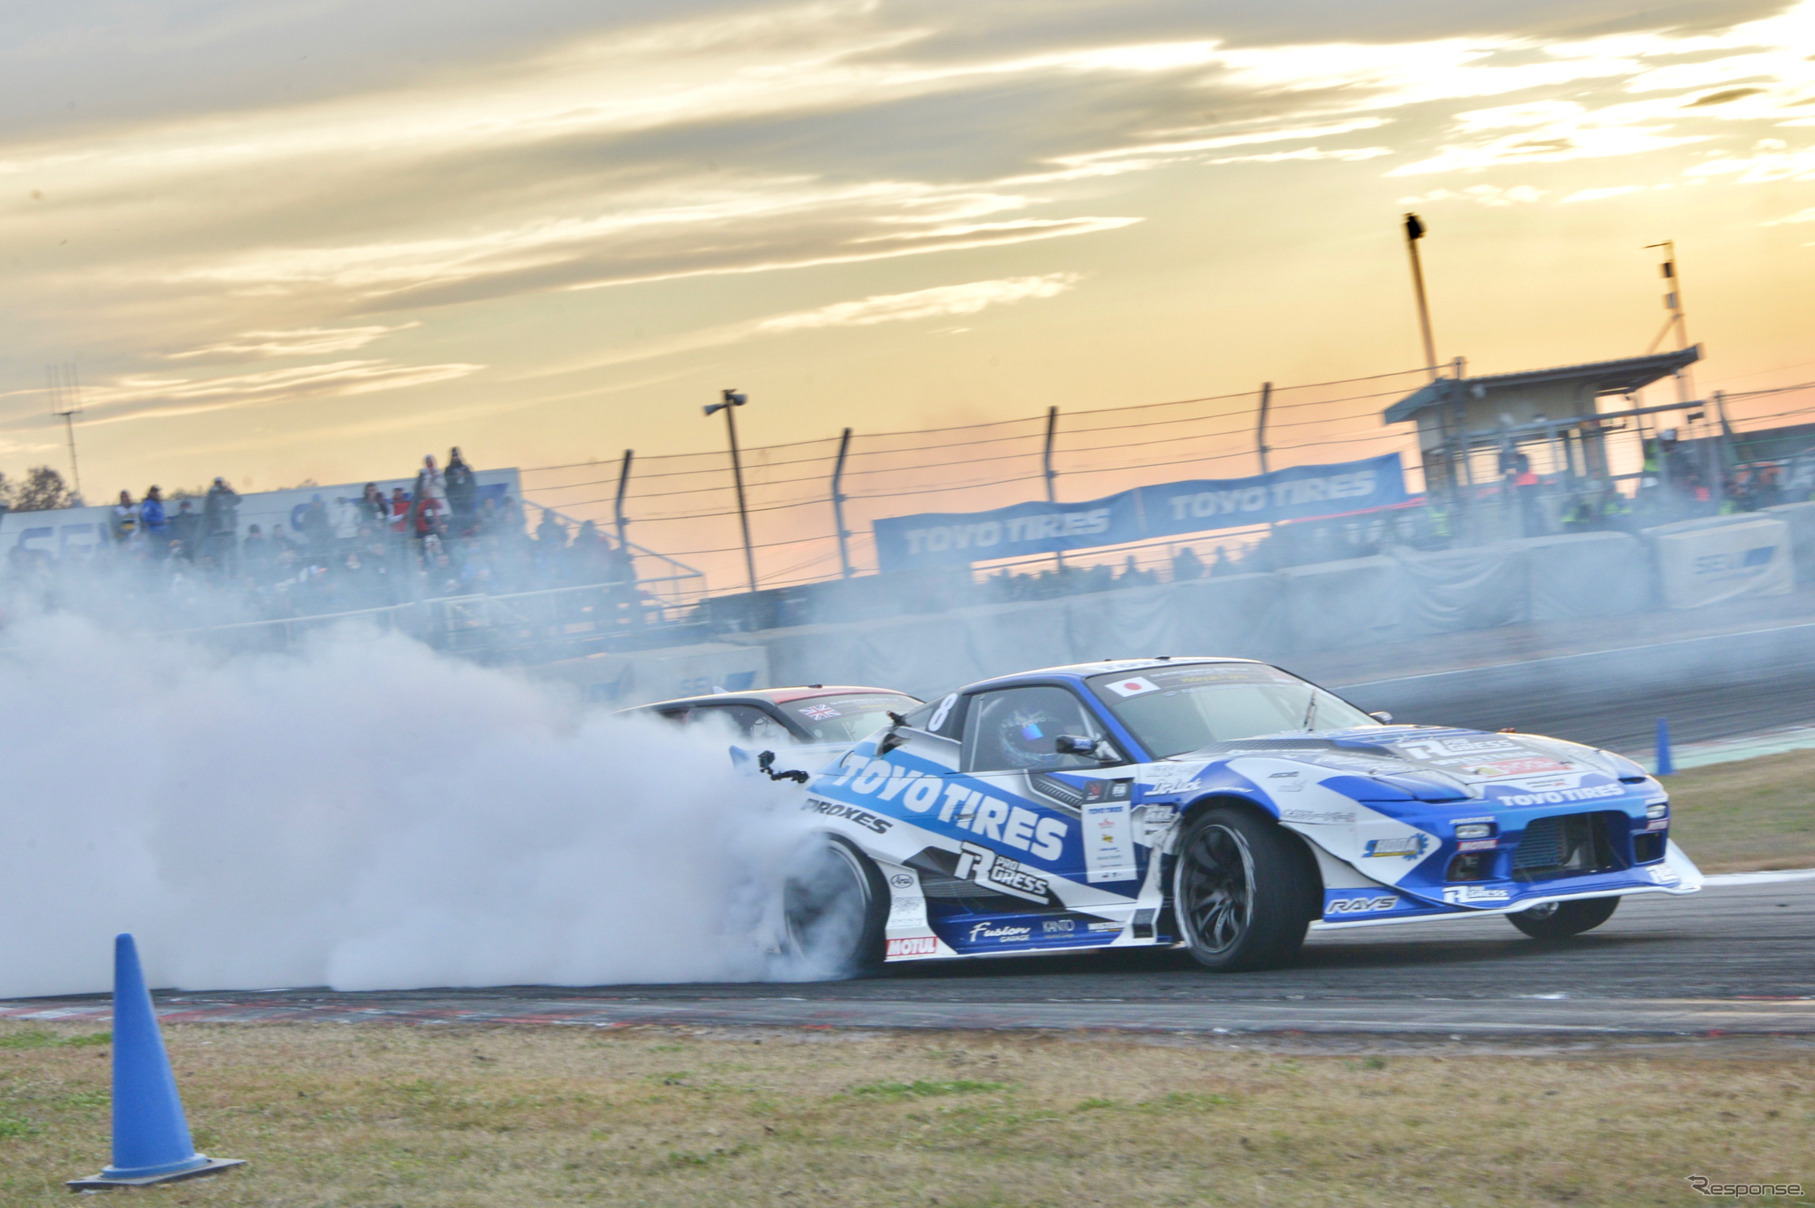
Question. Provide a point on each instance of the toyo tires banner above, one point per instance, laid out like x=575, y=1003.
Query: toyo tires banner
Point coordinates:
x=1174, y=509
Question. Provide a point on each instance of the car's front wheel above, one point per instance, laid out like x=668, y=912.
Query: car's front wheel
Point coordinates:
x=1560, y=920
x=834, y=910
x=1242, y=891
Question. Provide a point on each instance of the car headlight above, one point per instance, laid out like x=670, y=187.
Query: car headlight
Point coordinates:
x=1475, y=830
x=1659, y=810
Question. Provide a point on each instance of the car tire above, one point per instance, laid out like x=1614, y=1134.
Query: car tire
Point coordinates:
x=835, y=908
x=1560, y=920
x=1243, y=890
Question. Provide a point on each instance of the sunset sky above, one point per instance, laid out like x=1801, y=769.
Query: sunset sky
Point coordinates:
x=313, y=239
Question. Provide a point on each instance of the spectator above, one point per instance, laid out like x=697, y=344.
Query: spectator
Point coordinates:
x=255, y=550
x=1604, y=508
x=1187, y=565
x=281, y=543
x=400, y=511
x=377, y=510
x=510, y=519
x=347, y=515
x=425, y=512
x=551, y=534
x=591, y=554
x=1769, y=489
x=375, y=544
x=317, y=531
x=185, y=530
x=154, y=525
x=124, y=521
x=462, y=492
x=1132, y=575
x=1220, y=564
x=430, y=482
x=220, y=519
x=1525, y=485
x=443, y=578
x=620, y=568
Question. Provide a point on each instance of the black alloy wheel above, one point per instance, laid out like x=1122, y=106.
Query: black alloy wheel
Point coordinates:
x=1560, y=920
x=835, y=909
x=1244, y=890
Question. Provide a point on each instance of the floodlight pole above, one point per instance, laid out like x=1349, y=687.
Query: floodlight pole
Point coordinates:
x=1260, y=429
x=1414, y=231
x=844, y=552
x=730, y=401
x=1052, y=496
x=617, y=507
x=1260, y=440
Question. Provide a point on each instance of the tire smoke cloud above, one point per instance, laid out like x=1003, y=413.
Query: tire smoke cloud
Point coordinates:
x=366, y=814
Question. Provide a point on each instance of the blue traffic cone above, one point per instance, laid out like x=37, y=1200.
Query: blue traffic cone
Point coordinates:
x=150, y=1135
x=1665, y=765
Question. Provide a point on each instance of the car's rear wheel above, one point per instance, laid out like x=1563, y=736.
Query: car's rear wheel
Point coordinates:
x=1560, y=920
x=1242, y=891
x=834, y=910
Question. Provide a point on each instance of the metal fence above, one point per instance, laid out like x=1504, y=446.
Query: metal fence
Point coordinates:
x=811, y=502
x=518, y=627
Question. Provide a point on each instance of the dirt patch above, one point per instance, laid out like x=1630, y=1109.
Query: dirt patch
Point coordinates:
x=393, y=1116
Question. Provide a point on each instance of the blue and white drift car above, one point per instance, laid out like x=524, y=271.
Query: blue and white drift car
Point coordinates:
x=1220, y=805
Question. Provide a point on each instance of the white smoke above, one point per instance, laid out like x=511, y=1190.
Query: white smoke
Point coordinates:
x=365, y=815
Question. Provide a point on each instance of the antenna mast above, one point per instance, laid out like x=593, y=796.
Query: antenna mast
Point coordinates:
x=65, y=389
x=1673, y=302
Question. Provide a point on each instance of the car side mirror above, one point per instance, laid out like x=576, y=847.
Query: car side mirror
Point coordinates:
x=1072, y=744
x=1381, y=716
x=894, y=738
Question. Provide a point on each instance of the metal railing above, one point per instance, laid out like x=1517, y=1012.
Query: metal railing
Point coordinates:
x=515, y=627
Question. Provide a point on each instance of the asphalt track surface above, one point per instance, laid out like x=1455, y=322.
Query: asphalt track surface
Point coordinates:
x=1731, y=960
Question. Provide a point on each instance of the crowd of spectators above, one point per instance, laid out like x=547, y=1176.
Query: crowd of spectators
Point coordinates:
x=445, y=536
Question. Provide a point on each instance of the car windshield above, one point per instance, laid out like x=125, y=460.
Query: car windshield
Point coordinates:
x=1185, y=707
x=847, y=718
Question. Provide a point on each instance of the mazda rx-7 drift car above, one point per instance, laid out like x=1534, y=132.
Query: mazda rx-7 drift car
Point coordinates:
x=1220, y=805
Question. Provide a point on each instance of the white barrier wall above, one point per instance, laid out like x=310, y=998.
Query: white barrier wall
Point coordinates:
x=1269, y=616
x=1801, y=519
x=56, y=531
x=1702, y=562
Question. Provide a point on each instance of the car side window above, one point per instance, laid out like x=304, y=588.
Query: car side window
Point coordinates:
x=767, y=731
x=750, y=722
x=1017, y=729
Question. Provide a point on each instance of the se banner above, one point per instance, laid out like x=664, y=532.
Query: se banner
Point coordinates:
x=1174, y=509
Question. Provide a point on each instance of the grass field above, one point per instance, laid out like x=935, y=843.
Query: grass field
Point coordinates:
x=1752, y=814
x=382, y=1115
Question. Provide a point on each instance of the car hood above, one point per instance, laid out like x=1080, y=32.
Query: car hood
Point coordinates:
x=1436, y=763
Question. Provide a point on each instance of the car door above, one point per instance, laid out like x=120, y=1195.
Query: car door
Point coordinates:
x=1011, y=739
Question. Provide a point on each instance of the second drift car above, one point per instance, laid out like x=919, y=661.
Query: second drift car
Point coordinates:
x=803, y=727
x=1220, y=805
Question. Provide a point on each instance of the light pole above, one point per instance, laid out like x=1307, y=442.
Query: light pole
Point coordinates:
x=729, y=402
x=1414, y=231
